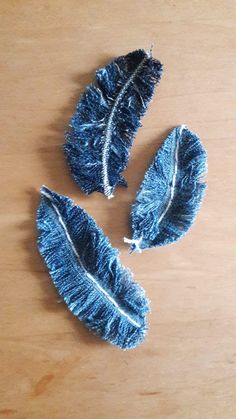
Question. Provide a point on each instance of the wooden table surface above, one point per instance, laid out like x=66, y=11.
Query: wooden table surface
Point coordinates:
x=51, y=366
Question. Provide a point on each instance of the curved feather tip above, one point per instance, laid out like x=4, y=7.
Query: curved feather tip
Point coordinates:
x=171, y=193
x=106, y=119
x=88, y=274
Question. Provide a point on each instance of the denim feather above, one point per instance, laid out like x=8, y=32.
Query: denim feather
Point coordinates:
x=106, y=119
x=88, y=274
x=171, y=193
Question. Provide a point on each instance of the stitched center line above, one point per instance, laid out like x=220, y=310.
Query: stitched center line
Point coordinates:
x=172, y=189
x=108, y=132
x=103, y=291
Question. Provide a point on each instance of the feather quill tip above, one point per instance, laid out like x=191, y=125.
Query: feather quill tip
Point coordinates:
x=134, y=244
x=110, y=196
x=181, y=128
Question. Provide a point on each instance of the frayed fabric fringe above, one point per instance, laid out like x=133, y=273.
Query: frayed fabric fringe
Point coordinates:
x=171, y=193
x=87, y=272
x=106, y=120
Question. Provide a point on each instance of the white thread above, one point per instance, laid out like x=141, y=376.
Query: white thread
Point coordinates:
x=172, y=189
x=136, y=242
x=108, y=133
x=182, y=127
x=81, y=264
x=149, y=53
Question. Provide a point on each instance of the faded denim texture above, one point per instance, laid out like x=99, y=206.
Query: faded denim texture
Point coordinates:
x=87, y=272
x=106, y=120
x=171, y=193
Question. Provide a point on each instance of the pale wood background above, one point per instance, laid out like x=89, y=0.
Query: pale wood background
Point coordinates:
x=51, y=366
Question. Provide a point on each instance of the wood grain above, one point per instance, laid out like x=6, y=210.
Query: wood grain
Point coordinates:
x=51, y=366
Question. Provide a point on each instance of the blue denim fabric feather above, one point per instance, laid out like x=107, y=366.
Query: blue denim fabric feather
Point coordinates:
x=87, y=272
x=171, y=192
x=106, y=119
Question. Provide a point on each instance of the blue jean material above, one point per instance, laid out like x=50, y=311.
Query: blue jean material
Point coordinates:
x=87, y=272
x=106, y=120
x=171, y=193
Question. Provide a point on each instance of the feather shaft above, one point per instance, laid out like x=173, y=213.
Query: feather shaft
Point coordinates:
x=108, y=131
x=173, y=182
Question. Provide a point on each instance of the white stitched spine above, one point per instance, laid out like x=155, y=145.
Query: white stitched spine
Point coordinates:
x=82, y=266
x=172, y=189
x=108, y=133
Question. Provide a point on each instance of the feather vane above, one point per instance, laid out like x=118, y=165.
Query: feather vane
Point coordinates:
x=171, y=193
x=88, y=274
x=106, y=119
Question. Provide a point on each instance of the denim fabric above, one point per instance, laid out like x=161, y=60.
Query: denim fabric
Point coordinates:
x=171, y=193
x=87, y=272
x=106, y=120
